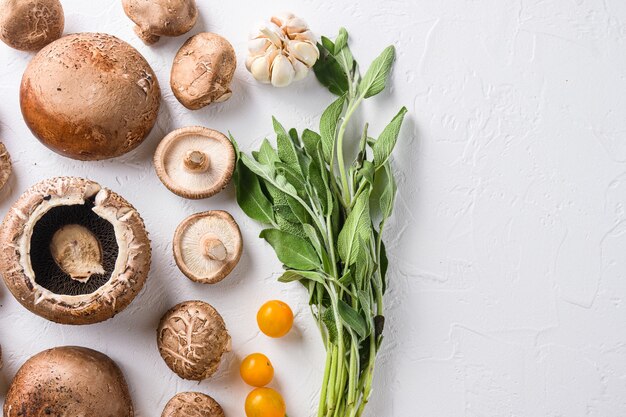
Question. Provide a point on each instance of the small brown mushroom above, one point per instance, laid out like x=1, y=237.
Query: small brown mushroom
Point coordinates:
x=195, y=162
x=90, y=96
x=207, y=246
x=203, y=70
x=192, y=338
x=29, y=25
x=69, y=381
x=5, y=165
x=192, y=404
x=156, y=18
x=73, y=252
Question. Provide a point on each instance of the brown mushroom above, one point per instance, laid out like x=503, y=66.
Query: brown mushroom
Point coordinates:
x=73, y=252
x=192, y=404
x=203, y=70
x=207, y=246
x=69, y=381
x=29, y=25
x=195, y=162
x=156, y=18
x=5, y=165
x=90, y=96
x=192, y=338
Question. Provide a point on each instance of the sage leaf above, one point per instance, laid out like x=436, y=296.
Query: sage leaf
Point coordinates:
x=388, y=196
x=286, y=148
x=357, y=227
x=267, y=154
x=328, y=126
x=375, y=78
x=310, y=140
x=387, y=139
x=352, y=319
x=328, y=71
x=341, y=41
x=328, y=318
x=291, y=250
x=292, y=275
x=250, y=197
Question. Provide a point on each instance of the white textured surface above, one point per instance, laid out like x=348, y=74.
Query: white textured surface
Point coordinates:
x=509, y=239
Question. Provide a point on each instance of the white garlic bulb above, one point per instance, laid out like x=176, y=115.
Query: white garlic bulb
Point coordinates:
x=282, y=51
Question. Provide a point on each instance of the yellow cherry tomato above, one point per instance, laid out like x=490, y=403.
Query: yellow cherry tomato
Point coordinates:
x=275, y=318
x=256, y=370
x=265, y=402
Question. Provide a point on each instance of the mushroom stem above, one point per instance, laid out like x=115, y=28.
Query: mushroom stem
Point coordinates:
x=147, y=37
x=77, y=251
x=213, y=248
x=196, y=161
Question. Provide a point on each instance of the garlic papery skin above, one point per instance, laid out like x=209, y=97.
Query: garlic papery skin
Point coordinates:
x=282, y=50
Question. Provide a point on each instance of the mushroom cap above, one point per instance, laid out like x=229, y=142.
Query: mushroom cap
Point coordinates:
x=203, y=70
x=192, y=404
x=207, y=246
x=26, y=233
x=192, y=339
x=161, y=17
x=69, y=381
x=5, y=165
x=90, y=96
x=29, y=25
x=175, y=148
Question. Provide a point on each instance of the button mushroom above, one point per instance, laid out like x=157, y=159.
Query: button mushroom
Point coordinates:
x=29, y=25
x=192, y=339
x=203, y=70
x=156, y=18
x=69, y=381
x=90, y=96
x=192, y=404
x=195, y=162
x=207, y=246
x=73, y=252
x=5, y=165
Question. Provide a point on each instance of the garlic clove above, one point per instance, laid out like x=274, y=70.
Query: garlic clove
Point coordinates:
x=260, y=68
x=294, y=26
x=282, y=72
x=307, y=35
x=281, y=18
x=274, y=34
x=304, y=51
x=258, y=46
x=301, y=69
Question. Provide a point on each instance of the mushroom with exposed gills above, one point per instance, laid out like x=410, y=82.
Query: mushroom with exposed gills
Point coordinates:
x=195, y=162
x=192, y=404
x=69, y=381
x=73, y=252
x=207, y=246
x=156, y=18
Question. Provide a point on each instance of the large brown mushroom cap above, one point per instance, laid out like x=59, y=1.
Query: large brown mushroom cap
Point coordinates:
x=195, y=162
x=156, y=18
x=71, y=290
x=203, y=70
x=5, y=165
x=192, y=404
x=208, y=246
x=69, y=381
x=29, y=25
x=90, y=96
x=192, y=338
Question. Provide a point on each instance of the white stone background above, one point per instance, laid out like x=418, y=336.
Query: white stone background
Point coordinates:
x=508, y=266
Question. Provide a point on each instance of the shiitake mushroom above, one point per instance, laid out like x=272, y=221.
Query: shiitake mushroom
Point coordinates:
x=73, y=252
x=29, y=25
x=69, y=381
x=192, y=338
x=192, y=404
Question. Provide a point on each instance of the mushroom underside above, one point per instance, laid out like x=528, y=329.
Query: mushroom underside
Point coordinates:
x=57, y=276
